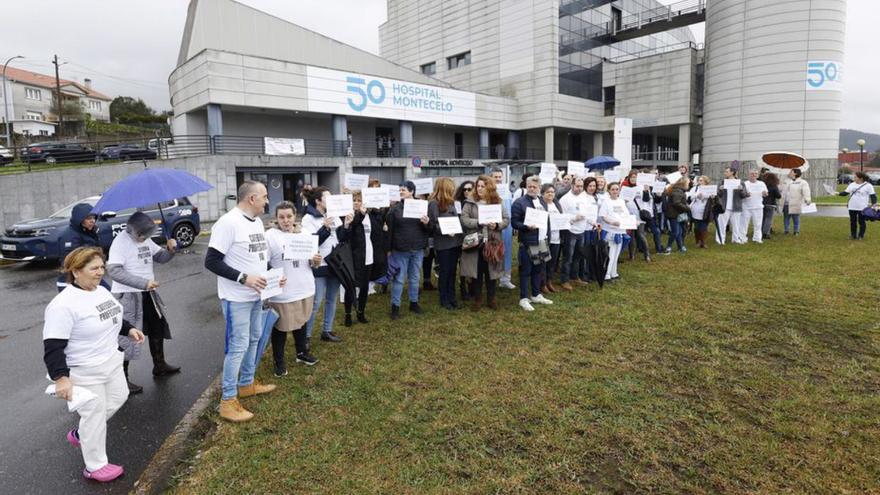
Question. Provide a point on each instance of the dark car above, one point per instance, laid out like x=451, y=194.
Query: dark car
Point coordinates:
x=874, y=178
x=127, y=152
x=845, y=178
x=58, y=153
x=35, y=240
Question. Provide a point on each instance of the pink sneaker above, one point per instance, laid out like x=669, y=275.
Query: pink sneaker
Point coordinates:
x=72, y=439
x=107, y=473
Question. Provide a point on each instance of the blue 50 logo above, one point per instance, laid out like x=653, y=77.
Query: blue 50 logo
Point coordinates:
x=373, y=92
x=818, y=73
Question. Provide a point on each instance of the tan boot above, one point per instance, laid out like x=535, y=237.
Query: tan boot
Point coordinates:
x=231, y=410
x=255, y=388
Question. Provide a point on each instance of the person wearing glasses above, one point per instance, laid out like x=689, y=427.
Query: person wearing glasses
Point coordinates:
x=462, y=194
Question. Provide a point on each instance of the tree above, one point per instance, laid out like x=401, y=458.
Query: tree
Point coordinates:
x=127, y=109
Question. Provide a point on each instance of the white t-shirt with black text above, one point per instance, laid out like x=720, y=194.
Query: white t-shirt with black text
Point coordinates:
x=242, y=241
x=90, y=321
x=300, y=279
x=614, y=209
x=135, y=257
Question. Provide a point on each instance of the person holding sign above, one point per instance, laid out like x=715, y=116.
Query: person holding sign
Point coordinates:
x=611, y=213
x=533, y=249
x=863, y=196
x=575, y=203
x=408, y=238
x=367, y=253
x=507, y=202
x=462, y=194
x=294, y=304
x=330, y=231
x=474, y=262
x=447, y=245
x=770, y=200
x=548, y=192
x=730, y=196
x=676, y=210
x=701, y=210
x=753, y=206
x=796, y=194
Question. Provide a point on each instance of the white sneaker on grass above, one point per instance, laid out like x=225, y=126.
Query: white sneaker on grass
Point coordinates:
x=540, y=299
x=507, y=284
x=526, y=305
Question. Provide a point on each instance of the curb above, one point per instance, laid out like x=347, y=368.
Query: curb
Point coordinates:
x=191, y=429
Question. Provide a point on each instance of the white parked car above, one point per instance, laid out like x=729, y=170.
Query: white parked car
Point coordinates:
x=6, y=156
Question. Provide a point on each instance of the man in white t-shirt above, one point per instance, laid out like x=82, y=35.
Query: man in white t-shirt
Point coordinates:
x=239, y=254
x=753, y=207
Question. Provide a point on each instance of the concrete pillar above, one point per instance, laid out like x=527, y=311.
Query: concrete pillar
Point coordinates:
x=548, y=144
x=513, y=145
x=655, y=157
x=484, y=144
x=340, y=135
x=405, y=143
x=597, y=143
x=684, y=145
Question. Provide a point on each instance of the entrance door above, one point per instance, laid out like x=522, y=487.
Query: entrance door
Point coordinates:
x=385, y=142
x=459, y=145
x=574, y=147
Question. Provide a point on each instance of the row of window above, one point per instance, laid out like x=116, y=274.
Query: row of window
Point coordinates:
x=36, y=94
x=453, y=62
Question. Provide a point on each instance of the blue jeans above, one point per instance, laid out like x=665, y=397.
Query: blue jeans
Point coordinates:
x=410, y=270
x=552, y=266
x=675, y=234
x=787, y=218
x=244, y=326
x=326, y=292
x=448, y=259
x=527, y=272
x=572, y=264
x=654, y=225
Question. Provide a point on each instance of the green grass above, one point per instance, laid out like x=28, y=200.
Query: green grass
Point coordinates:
x=834, y=200
x=742, y=369
x=18, y=167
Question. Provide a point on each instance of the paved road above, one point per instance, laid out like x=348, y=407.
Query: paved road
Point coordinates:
x=34, y=456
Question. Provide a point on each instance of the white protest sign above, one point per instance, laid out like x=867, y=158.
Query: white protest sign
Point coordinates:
x=577, y=169
x=339, y=205
x=375, y=197
x=830, y=190
x=424, y=186
x=560, y=221
x=449, y=225
x=591, y=212
x=548, y=173
x=611, y=176
x=659, y=187
x=731, y=183
x=487, y=214
x=299, y=246
x=810, y=208
x=458, y=207
x=415, y=208
x=629, y=222
x=273, y=283
x=535, y=217
x=393, y=192
x=356, y=182
x=629, y=193
x=646, y=179
x=707, y=191
x=673, y=177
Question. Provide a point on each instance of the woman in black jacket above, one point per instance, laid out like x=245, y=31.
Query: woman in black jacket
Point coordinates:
x=408, y=239
x=770, y=201
x=367, y=251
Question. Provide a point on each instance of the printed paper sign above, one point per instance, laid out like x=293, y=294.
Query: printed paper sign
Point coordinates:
x=375, y=197
x=356, y=182
x=630, y=193
x=458, y=207
x=449, y=225
x=273, y=283
x=535, y=217
x=611, y=176
x=591, y=213
x=548, y=173
x=731, y=183
x=646, y=179
x=659, y=187
x=284, y=146
x=299, y=246
x=755, y=187
x=707, y=191
x=415, y=208
x=830, y=190
x=576, y=169
x=393, y=192
x=339, y=205
x=487, y=214
x=560, y=221
x=810, y=208
x=424, y=186
x=628, y=222
x=673, y=177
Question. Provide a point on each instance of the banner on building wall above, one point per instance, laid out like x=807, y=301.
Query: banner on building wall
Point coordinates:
x=346, y=93
x=824, y=75
x=623, y=138
x=284, y=146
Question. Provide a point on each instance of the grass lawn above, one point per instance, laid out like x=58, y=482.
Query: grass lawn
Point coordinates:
x=833, y=200
x=742, y=369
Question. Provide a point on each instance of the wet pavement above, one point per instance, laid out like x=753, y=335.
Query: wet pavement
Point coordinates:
x=34, y=455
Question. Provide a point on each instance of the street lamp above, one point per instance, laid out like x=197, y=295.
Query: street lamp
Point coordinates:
x=861, y=143
x=6, y=99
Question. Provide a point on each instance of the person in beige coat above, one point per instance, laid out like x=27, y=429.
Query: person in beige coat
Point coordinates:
x=474, y=265
x=795, y=195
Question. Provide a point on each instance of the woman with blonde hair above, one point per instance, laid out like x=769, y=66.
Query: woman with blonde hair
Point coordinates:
x=82, y=356
x=447, y=246
x=474, y=262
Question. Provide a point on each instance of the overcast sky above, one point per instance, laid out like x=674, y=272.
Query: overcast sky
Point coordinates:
x=129, y=47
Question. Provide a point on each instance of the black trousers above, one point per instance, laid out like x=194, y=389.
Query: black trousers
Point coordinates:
x=448, y=260
x=856, y=218
x=428, y=265
x=363, y=286
x=279, y=338
x=482, y=274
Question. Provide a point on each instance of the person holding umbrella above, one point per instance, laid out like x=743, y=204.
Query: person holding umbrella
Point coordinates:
x=130, y=266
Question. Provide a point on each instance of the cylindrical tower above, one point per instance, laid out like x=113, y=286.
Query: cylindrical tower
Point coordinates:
x=773, y=83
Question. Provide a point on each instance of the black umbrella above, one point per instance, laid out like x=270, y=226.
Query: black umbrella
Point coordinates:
x=596, y=254
x=341, y=262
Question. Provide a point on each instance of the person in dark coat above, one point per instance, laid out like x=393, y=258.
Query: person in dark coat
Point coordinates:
x=409, y=238
x=770, y=202
x=676, y=204
x=366, y=224
x=82, y=232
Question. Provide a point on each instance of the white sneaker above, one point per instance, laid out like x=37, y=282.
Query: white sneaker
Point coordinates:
x=507, y=284
x=526, y=305
x=540, y=299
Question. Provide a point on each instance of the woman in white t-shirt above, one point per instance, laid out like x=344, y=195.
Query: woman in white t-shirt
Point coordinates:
x=83, y=358
x=611, y=212
x=130, y=266
x=294, y=304
x=862, y=196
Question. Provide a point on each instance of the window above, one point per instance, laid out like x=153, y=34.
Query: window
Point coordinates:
x=459, y=60
x=95, y=105
x=429, y=69
x=34, y=116
x=44, y=133
x=609, y=100
x=32, y=94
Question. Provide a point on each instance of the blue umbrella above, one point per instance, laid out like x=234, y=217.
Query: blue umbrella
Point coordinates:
x=148, y=187
x=602, y=162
